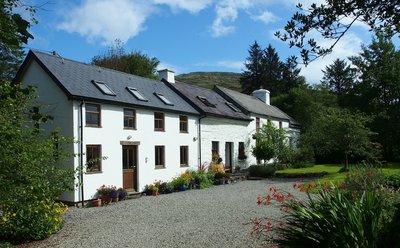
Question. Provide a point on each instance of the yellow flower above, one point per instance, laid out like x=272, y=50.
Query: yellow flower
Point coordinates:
x=5, y=219
x=14, y=214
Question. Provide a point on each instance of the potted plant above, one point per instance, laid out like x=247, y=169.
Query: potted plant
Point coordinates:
x=219, y=178
x=192, y=184
x=155, y=190
x=104, y=193
x=148, y=189
x=114, y=194
x=96, y=202
x=169, y=188
x=122, y=194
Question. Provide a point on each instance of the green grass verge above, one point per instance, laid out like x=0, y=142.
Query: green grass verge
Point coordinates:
x=333, y=172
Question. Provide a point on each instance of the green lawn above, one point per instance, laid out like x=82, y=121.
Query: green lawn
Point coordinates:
x=333, y=171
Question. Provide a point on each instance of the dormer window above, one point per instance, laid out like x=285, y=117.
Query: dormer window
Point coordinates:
x=104, y=88
x=233, y=107
x=163, y=99
x=136, y=94
x=206, y=102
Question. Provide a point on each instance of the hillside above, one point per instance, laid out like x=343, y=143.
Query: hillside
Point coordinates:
x=228, y=80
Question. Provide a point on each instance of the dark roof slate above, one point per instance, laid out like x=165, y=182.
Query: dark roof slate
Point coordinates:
x=75, y=78
x=221, y=109
x=254, y=105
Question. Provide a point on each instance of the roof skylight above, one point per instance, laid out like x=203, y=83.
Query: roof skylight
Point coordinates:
x=104, y=88
x=163, y=99
x=233, y=107
x=206, y=102
x=136, y=94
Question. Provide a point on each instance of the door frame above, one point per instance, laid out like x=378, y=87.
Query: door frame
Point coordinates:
x=228, y=156
x=125, y=144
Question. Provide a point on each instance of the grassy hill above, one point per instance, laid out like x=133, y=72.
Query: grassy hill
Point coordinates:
x=228, y=80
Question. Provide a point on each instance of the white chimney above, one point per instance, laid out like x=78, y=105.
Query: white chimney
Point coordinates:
x=263, y=95
x=167, y=75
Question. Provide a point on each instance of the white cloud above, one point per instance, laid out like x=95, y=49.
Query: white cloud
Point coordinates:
x=349, y=45
x=193, y=6
x=224, y=14
x=107, y=19
x=266, y=17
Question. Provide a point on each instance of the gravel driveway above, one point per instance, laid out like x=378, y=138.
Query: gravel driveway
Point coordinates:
x=210, y=217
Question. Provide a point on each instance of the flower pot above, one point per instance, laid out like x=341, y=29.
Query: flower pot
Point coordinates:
x=169, y=191
x=122, y=196
x=115, y=199
x=155, y=193
x=96, y=203
x=148, y=192
x=105, y=198
x=183, y=188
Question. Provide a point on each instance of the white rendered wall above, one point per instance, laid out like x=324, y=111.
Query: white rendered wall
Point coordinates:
x=54, y=102
x=112, y=133
x=223, y=130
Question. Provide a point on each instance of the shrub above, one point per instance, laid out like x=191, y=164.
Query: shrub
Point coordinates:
x=392, y=181
x=364, y=177
x=202, y=179
x=32, y=221
x=263, y=171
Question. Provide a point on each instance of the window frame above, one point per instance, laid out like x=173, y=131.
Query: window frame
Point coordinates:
x=128, y=117
x=183, y=123
x=184, y=156
x=98, y=112
x=99, y=157
x=258, y=124
x=104, y=88
x=280, y=125
x=159, y=159
x=159, y=120
x=241, y=151
x=137, y=94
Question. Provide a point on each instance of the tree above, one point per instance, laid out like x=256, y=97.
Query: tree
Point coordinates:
x=271, y=143
x=135, y=63
x=14, y=33
x=265, y=70
x=339, y=78
x=252, y=78
x=340, y=131
x=31, y=177
x=333, y=19
x=378, y=92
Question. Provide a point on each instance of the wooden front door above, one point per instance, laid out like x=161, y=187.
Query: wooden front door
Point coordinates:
x=129, y=166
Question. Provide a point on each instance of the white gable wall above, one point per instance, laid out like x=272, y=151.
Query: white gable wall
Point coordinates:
x=56, y=104
x=223, y=130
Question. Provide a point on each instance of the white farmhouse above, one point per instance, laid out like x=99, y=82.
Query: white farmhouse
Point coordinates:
x=222, y=126
x=258, y=108
x=145, y=130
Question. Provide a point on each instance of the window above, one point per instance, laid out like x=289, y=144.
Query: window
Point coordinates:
x=136, y=94
x=214, y=151
x=233, y=107
x=93, y=158
x=257, y=124
x=129, y=119
x=158, y=121
x=241, y=153
x=184, y=156
x=183, y=124
x=163, y=99
x=92, y=115
x=160, y=156
x=206, y=102
x=280, y=125
x=104, y=88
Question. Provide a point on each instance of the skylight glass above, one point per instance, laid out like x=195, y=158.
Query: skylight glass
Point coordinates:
x=206, y=102
x=163, y=99
x=233, y=107
x=136, y=94
x=104, y=88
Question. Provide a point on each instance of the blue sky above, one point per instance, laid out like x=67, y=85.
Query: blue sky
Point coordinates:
x=185, y=35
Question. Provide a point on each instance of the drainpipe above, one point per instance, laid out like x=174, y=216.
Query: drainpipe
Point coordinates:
x=199, y=136
x=81, y=157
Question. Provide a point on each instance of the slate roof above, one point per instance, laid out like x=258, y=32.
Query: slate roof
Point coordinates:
x=252, y=104
x=221, y=109
x=75, y=79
